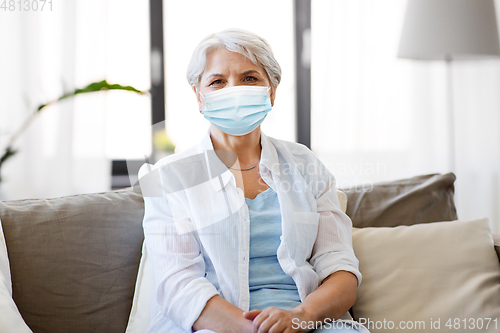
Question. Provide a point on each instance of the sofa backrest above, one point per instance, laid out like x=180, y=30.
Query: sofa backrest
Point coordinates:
x=74, y=259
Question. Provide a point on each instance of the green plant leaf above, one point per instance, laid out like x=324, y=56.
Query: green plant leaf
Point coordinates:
x=96, y=86
x=8, y=153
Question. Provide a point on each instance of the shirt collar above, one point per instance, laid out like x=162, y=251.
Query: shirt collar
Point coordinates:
x=268, y=158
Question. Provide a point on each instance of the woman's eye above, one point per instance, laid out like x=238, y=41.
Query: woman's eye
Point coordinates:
x=250, y=79
x=215, y=82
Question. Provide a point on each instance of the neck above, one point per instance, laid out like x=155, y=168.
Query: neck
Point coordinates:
x=247, y=147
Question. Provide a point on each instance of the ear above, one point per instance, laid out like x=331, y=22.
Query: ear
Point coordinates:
x=272, y=95
x=199, y=99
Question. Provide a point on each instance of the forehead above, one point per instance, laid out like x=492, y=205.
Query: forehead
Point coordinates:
x=224, y=62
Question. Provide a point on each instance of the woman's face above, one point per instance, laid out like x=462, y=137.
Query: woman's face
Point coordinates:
x=225, y=69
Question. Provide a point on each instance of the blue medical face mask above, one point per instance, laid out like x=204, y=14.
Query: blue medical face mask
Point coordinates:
x=237, y=110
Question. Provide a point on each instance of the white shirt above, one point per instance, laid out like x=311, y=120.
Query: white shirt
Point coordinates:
x=197, y=228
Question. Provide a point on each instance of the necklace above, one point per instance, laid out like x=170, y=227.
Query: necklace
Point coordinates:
x=242, y=169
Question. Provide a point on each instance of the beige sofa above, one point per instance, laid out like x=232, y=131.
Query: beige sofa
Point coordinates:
x=74, y=260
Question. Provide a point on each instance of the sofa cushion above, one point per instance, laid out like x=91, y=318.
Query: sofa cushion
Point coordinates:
x=432, y=271
x=421, y=199
x=74, y=259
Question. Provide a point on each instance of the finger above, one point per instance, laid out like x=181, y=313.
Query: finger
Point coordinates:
x=267, y=324
x=250, y=315
x=278, y=327
x=257, y=321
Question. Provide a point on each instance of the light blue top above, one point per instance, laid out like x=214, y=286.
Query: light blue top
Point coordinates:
x=269, y=285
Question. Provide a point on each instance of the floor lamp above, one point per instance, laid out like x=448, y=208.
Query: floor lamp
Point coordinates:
x=449, y=30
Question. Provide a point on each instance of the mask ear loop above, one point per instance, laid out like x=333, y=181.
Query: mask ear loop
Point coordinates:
x=269, y=95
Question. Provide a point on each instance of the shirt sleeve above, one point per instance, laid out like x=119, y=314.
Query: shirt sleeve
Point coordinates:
x=181, y=288
x=332, y=250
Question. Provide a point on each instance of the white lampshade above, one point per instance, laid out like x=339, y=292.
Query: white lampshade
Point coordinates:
x=449, y=29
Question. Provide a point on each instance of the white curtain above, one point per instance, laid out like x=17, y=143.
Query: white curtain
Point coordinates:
x=376, y=117
x=43, y=55
x=69, y=146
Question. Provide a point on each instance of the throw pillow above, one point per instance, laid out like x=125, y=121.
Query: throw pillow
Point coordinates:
x=139, y=315
x=11, y=320
x=74, y=259
x=433, y=277
x=421, y=199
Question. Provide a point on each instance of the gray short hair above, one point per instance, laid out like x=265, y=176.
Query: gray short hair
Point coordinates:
x=240, y=41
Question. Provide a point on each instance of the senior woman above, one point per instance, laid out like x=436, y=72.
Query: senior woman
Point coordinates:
x=244, y=231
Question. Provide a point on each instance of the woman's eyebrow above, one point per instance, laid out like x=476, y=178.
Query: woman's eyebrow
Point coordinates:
x=215, y=75
x=252, y=71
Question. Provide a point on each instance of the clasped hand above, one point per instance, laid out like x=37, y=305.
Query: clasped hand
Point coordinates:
x=275, y=320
